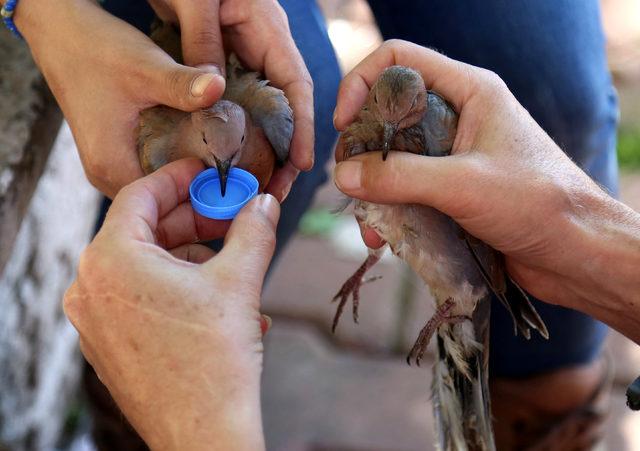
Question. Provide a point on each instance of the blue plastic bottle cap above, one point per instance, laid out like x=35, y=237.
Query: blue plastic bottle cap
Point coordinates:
x=207, y=200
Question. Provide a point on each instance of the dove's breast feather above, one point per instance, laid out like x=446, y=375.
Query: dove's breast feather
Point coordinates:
x=432, y=245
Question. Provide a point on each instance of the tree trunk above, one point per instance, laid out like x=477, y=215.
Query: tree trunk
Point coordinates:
x=44, y=224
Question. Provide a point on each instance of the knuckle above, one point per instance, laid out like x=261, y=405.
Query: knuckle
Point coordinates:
x=307, y=80
x=176, y=87
x=70, y=306
x=491, y=81
x=95, y=170
x=206, y=37
x=393, y=44
x=87, y=262
x=275, y=11
x=279, y=11
x=372, y=178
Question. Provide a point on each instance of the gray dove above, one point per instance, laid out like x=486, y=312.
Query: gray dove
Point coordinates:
x=251, y=127
x=462, y=272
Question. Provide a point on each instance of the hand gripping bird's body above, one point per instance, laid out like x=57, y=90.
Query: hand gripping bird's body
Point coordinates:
x=251, y=127
x=461, y=271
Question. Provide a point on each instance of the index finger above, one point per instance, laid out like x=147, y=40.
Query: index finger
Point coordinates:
x=294, y=79
x=138, y=208
x=200, y=33
x=448, y=77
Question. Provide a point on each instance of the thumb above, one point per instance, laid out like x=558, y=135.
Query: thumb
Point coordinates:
x=186, y=88
x=403, y=178
x=251, y=239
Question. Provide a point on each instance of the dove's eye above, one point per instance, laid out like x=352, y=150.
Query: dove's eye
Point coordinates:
x=204, y=140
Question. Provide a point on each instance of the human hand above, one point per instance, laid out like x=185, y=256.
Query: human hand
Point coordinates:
x=506, y=183
x=103, y=72
x=173, y=331
x=258, y=32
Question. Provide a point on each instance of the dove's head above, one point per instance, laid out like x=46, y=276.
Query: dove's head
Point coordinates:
x=223, y=133
x=399, y=100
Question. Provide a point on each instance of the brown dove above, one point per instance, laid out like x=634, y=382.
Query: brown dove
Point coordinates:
x=251, y=127
x=461, y=271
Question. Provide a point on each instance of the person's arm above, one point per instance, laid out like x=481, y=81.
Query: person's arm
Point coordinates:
x=103, y=72
x=172, y=330
x=507, y=183
x=604, y=281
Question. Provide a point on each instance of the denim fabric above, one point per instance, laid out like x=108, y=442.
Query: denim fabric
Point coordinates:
x=551, y=55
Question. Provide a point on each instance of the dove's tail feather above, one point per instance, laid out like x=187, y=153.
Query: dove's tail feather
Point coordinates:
x=461, y=403
x=522, y=310
x=513, y=298
x=633, y=395
x=341, y=205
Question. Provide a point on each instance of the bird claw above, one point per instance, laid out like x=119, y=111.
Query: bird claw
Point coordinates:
x=352, y=288
x=440, y=317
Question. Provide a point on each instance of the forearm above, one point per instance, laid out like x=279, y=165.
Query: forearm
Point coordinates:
x=206, y=398
x=29, y=13
x=205, y=422
x=605, y=279
x=48, y=23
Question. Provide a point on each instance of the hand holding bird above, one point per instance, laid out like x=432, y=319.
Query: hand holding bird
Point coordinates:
x=251, y=127
x=461, y=271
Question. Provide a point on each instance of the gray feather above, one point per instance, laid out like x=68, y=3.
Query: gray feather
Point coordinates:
x=267, y=106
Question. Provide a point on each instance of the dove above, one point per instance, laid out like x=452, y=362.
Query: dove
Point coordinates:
x=462, y=272
x=250, y=127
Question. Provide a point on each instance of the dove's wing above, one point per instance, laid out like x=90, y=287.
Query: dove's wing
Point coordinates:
x=267, y=106
x=434, y=134
x=490, y=263
x=156, y=135
x=439, y=125
x=167, y=37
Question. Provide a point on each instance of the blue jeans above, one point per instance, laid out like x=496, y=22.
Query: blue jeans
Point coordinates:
x=551, y=55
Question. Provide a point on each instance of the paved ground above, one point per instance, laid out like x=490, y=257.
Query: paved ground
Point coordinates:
x=354, y=391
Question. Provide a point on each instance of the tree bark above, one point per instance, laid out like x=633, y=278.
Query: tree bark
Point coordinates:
x=44, y=224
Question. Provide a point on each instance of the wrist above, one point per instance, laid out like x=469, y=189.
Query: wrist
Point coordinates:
x=24, y=15
x=210, y=413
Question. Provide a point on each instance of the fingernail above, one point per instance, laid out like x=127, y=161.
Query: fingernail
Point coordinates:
x=335, y=116
x=203, y=81
x=200, y=84
x=265, y=323
x=285, y=191
x=348, y=176
x=270, y=207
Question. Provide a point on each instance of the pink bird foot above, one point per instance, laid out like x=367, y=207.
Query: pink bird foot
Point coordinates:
x=352, y=288
x=440, y=317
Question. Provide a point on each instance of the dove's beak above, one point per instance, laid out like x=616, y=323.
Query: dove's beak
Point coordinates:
x=389, y=133
x=223, y=171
